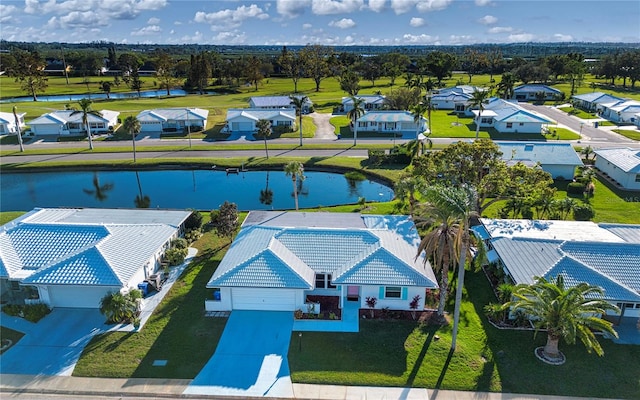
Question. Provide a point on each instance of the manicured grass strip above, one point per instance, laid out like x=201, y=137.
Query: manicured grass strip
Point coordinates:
x=576, y=112
x=631, y=134
x=561, y=134
x=8, y=216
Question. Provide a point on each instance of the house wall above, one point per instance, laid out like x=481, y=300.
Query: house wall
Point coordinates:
x=559, y=171
x=224, y=304
x=441, y=104
x=625, y=179
x=402, y=303
x=519, y=127
x=46, y=129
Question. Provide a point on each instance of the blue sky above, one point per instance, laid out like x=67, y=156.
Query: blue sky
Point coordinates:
x=327, y=22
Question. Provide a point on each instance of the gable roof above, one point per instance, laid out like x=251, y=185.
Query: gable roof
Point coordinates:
x=61, y=117
x=58, y=246
x=368, y=98
x=534, y=88
x=274, y=101
x=544, y=153
x=8, y=118
x=257, y=114
x=460, y=89
x=627, y=159
x=597, y=97
x=387, y=116
x=289, y=257
x=179, y=114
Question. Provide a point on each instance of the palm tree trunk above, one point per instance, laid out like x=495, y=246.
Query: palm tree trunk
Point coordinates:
x=478, y=124
x=133, y=140
x=551, y=348
x=463, y=260
x=300, y=126
x=355, y=132
x=295, y=191
x=443, y=292
x=89, y=136
x=266, y=149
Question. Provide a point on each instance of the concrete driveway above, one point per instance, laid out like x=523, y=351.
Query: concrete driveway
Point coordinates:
x=53, y=345
x=251, y=357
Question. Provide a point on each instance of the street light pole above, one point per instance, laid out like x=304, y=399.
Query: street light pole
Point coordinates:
x=188, y=128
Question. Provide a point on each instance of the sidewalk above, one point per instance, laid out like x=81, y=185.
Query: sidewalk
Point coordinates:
x=174, y=389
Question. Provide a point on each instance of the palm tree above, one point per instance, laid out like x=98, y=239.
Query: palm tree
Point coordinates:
x=298, y=102
x=264, y=129
x=356, y=112
x=17, y=120
x=505, y=87
x=118, y=307
x=478, y=99
x=417, y=112
x=141, y=200
x=407, y=187
x=132, y=126
x=586, y=152
x=266, y=194
x=565, y=312
x=99, y=191
x=85, y=110
x=295, y=170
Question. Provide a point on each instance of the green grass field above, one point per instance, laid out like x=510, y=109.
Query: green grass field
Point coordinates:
x=631, y=134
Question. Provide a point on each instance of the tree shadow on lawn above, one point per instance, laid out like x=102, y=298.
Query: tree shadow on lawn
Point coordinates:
x=510, y=354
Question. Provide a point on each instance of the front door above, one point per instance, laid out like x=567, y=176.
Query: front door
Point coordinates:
x=353, y=293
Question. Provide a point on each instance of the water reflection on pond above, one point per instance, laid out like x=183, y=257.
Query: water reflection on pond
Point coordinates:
x=199, y=189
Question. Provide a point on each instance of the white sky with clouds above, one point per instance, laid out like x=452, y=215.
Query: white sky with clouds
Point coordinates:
x=328, y=22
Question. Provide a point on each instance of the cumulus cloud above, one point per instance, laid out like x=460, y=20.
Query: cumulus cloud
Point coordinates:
x=292, y=8
x=521, y=37
x=404, y=6
x=230, y=38
x=147, y=30
x=229, y=18
x=461, y=39
x=419, y=39
x=153, y=21
x=377, y=5
x=104, y=9
x=416, y=22
x=344, y=23
x=500, y=29
x=348, y=39
x=5, y=13
x=326, y=7
x=76, y=19
x=482, y=3
x=559, y=37
x=488, y=20
x=307, y=26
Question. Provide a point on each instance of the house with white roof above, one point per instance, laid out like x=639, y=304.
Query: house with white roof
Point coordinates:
x=453, y=98
x=620, y=164
x=280, y=258
x=508, y=117
x=245, y=119
x=371, y=102
x=623, y=111
x=278, y=102
x=604, y=255
x=558, y=159
x=69, y=122
x=594, y=101
x=8, y=122
x=75, y=256
x=172, y=119
x=531, y=92
x=391, y=122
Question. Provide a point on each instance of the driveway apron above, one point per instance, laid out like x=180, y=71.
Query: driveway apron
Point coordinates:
x=53, y=345
x=251, y=357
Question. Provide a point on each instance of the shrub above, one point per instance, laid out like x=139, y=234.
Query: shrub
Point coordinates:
x=193, y=221
x=371, y=303
x=13, y=310
x=297, y=314
x=575, y=188
x=192, y=235
x=179, y=243
x=355, y=176
x=35, y=312
x=413, y=305
x=175, y=256
x=583, y=212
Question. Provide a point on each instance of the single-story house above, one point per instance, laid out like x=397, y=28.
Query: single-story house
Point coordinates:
x=172, y=119
x=453, y=98
x=279, y=258
x=508, y=117
x=620, y=164
x=637, y=120
x=531, y=92
x=605, y=255
x=391, y=122
x=245, y=119
x=594, y=101
x=8, y=122
x=277, y=102
x=623, y=111
x=558, y=159
x=69, y=122
x=73, y=257
x=371, y=102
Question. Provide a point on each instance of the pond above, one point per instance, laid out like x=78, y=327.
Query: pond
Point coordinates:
x=198, y=189
x=96, y=96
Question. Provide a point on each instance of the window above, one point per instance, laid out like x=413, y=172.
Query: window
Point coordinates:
x=637, y=177
x=509, y=125
x=486, y=120
x=323, y=281
x=392, y=292
x=320, y=281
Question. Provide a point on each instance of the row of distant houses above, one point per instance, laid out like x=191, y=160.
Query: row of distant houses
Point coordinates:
x=613, y=108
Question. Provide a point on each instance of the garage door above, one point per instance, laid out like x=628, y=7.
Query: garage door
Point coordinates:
x=49, y=129
x=77, y=297
x=151, y=127
x=241, y=126
x=263, y=299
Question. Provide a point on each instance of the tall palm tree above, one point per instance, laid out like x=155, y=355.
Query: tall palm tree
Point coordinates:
x=565, y=312
x=505, y=87
x=266, y=194
x=356, y=112
x=478, y=99
x=133, y=127
x=85, y=110
x=141, y=200
x=417, y=112
x=295, y=170
x=407, y=187
x=298, y=102
x=441, y=243
x=586, y=152
x=99, y=191
x=18, y=132
x=264, y=129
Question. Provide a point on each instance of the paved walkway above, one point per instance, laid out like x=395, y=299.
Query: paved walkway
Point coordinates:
x=251, y=357
x=324, y=129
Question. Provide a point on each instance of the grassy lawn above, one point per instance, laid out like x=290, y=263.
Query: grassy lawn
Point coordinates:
x=10, y=334
x=576, y=112
x=405, y=353
x=631, y=134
